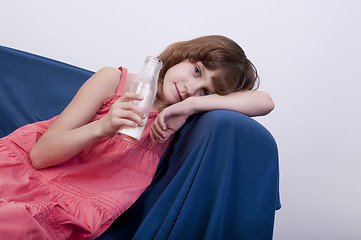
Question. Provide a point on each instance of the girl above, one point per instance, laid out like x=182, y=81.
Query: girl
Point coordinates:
x=71, y=176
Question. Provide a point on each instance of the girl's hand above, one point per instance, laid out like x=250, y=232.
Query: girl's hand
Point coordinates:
x=123, y=113
x=170, y=120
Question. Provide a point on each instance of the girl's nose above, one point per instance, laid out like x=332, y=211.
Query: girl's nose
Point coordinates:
x=189, y=89
x=192, y=89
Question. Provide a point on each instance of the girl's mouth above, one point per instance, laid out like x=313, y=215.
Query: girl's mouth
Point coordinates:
x=179, y=95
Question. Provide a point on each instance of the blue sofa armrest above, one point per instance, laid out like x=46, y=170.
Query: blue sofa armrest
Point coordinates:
x=218, y=180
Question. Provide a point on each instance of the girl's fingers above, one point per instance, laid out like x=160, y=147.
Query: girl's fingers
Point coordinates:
x=126, y=102
x=126, y=123
x=130, y=96
x=129, y=108
x=131, y=116
x=161, y=122
x=159, y=128
x=154, y=136
x=157, y=132
x=123, y=113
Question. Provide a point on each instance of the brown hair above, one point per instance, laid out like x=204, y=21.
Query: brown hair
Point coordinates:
x=215, y=52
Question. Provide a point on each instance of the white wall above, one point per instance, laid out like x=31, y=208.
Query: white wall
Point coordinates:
x=307, y=53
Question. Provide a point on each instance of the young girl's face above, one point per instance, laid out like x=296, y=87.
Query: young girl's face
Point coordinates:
x=187, y=79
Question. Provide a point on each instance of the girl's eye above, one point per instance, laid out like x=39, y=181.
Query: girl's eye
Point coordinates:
x=197, y=71
x=205, y=91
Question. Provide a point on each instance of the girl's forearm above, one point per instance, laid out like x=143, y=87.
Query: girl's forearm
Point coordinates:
x=55, y=147
x=249, y=102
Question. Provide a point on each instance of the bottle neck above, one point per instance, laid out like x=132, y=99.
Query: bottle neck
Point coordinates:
x=150, y=71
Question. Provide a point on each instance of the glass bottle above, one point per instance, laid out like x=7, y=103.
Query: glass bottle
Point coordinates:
x=144, y=84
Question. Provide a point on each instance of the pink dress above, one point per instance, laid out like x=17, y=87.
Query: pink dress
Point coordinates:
x=81, y=197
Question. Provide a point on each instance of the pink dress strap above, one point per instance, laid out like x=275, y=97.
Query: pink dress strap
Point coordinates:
x=123, y=79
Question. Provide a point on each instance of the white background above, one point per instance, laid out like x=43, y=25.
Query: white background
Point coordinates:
x=307, y=53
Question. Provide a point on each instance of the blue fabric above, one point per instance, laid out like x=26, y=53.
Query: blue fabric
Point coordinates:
x=217, y=180
x=34, y=88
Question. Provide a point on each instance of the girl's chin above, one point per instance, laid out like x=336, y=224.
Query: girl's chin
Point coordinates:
x=171, y=100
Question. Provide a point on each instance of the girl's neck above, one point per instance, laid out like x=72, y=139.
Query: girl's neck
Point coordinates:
x=158, y=104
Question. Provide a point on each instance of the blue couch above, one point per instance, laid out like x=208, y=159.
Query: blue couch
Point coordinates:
x=217, y=180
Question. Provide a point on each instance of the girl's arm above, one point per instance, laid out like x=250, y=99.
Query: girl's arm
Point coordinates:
x=249, y=102
x=71, y=132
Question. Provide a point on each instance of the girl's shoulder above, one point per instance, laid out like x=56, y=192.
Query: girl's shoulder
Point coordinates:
x=89, y=99
x=129, y=81
x=122, y=81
